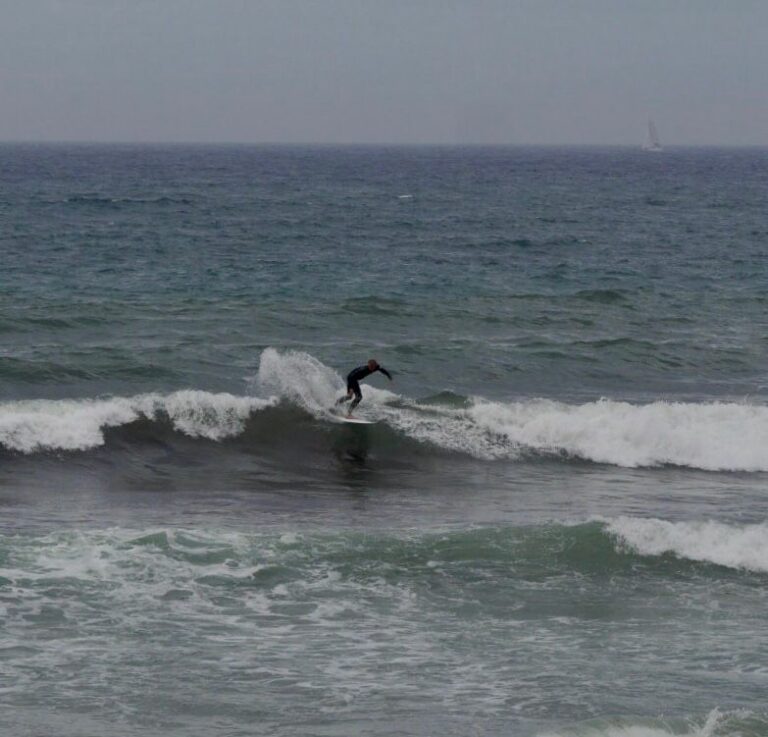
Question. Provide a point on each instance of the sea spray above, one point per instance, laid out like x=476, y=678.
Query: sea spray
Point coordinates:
x=300, y=378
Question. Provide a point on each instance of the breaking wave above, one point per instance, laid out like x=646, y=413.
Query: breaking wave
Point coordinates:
x=710, y=436
x=35, y=425
x=543, y=553
x=717, y=436
x=740, y=547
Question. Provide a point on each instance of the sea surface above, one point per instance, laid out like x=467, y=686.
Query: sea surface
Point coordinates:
x=557, y=525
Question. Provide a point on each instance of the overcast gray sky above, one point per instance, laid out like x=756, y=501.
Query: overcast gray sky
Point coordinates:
x=420, y=71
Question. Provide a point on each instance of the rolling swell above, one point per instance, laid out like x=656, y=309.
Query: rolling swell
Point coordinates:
x=621, y=546
x=466, y=557
x=516, y=604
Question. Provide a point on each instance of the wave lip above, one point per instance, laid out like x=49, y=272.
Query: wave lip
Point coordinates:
x=739, y=547
x=35, y=425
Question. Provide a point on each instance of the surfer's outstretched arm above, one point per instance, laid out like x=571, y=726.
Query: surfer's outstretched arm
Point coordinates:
x=385, y=372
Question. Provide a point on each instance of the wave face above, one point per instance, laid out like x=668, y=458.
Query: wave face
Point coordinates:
x=715, y=436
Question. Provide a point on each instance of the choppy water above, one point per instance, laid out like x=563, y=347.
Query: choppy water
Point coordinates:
x=557, y=525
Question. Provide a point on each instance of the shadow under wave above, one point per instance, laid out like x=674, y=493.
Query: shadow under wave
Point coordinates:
x=281, y=446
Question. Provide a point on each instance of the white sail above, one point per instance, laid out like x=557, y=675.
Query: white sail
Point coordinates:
x=653, y=143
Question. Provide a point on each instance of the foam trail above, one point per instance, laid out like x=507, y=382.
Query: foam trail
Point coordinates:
x=740, y=547
x=34, y=425
x=450, y=429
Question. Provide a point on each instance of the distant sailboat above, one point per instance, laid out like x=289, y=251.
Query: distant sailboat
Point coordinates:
x=653, y=143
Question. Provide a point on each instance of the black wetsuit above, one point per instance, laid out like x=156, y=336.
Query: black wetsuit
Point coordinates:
x=354, y=378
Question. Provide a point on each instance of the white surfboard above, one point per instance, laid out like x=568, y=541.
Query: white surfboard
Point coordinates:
x=350, y=420
x=355, y=421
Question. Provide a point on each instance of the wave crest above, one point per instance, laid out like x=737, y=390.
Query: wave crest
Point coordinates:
x=739, y=547
x=716, y=436
x=34, y=425
x=711, y=436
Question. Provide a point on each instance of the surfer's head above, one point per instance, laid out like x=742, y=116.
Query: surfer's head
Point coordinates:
x=372, y=364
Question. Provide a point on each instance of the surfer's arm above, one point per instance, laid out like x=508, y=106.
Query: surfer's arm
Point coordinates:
x=385, y=372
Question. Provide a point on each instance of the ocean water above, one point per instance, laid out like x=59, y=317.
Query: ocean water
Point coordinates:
x=557, y=525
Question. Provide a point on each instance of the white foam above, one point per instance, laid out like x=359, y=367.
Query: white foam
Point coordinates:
x=34, y=425
x=213, y=416
x=733, y=546
x=67, y=425
x=713, y=724
x=620, y=730
x=711, y=436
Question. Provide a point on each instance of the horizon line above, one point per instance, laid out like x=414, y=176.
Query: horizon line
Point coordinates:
x=351, y=144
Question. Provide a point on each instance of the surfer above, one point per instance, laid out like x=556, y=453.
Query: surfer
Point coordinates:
x=353, y=382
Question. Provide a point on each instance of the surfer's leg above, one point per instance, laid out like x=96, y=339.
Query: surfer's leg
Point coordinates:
x=353, y=390
x=358, y=397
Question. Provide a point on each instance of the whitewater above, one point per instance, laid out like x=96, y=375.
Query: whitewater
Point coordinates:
x=714, y=436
